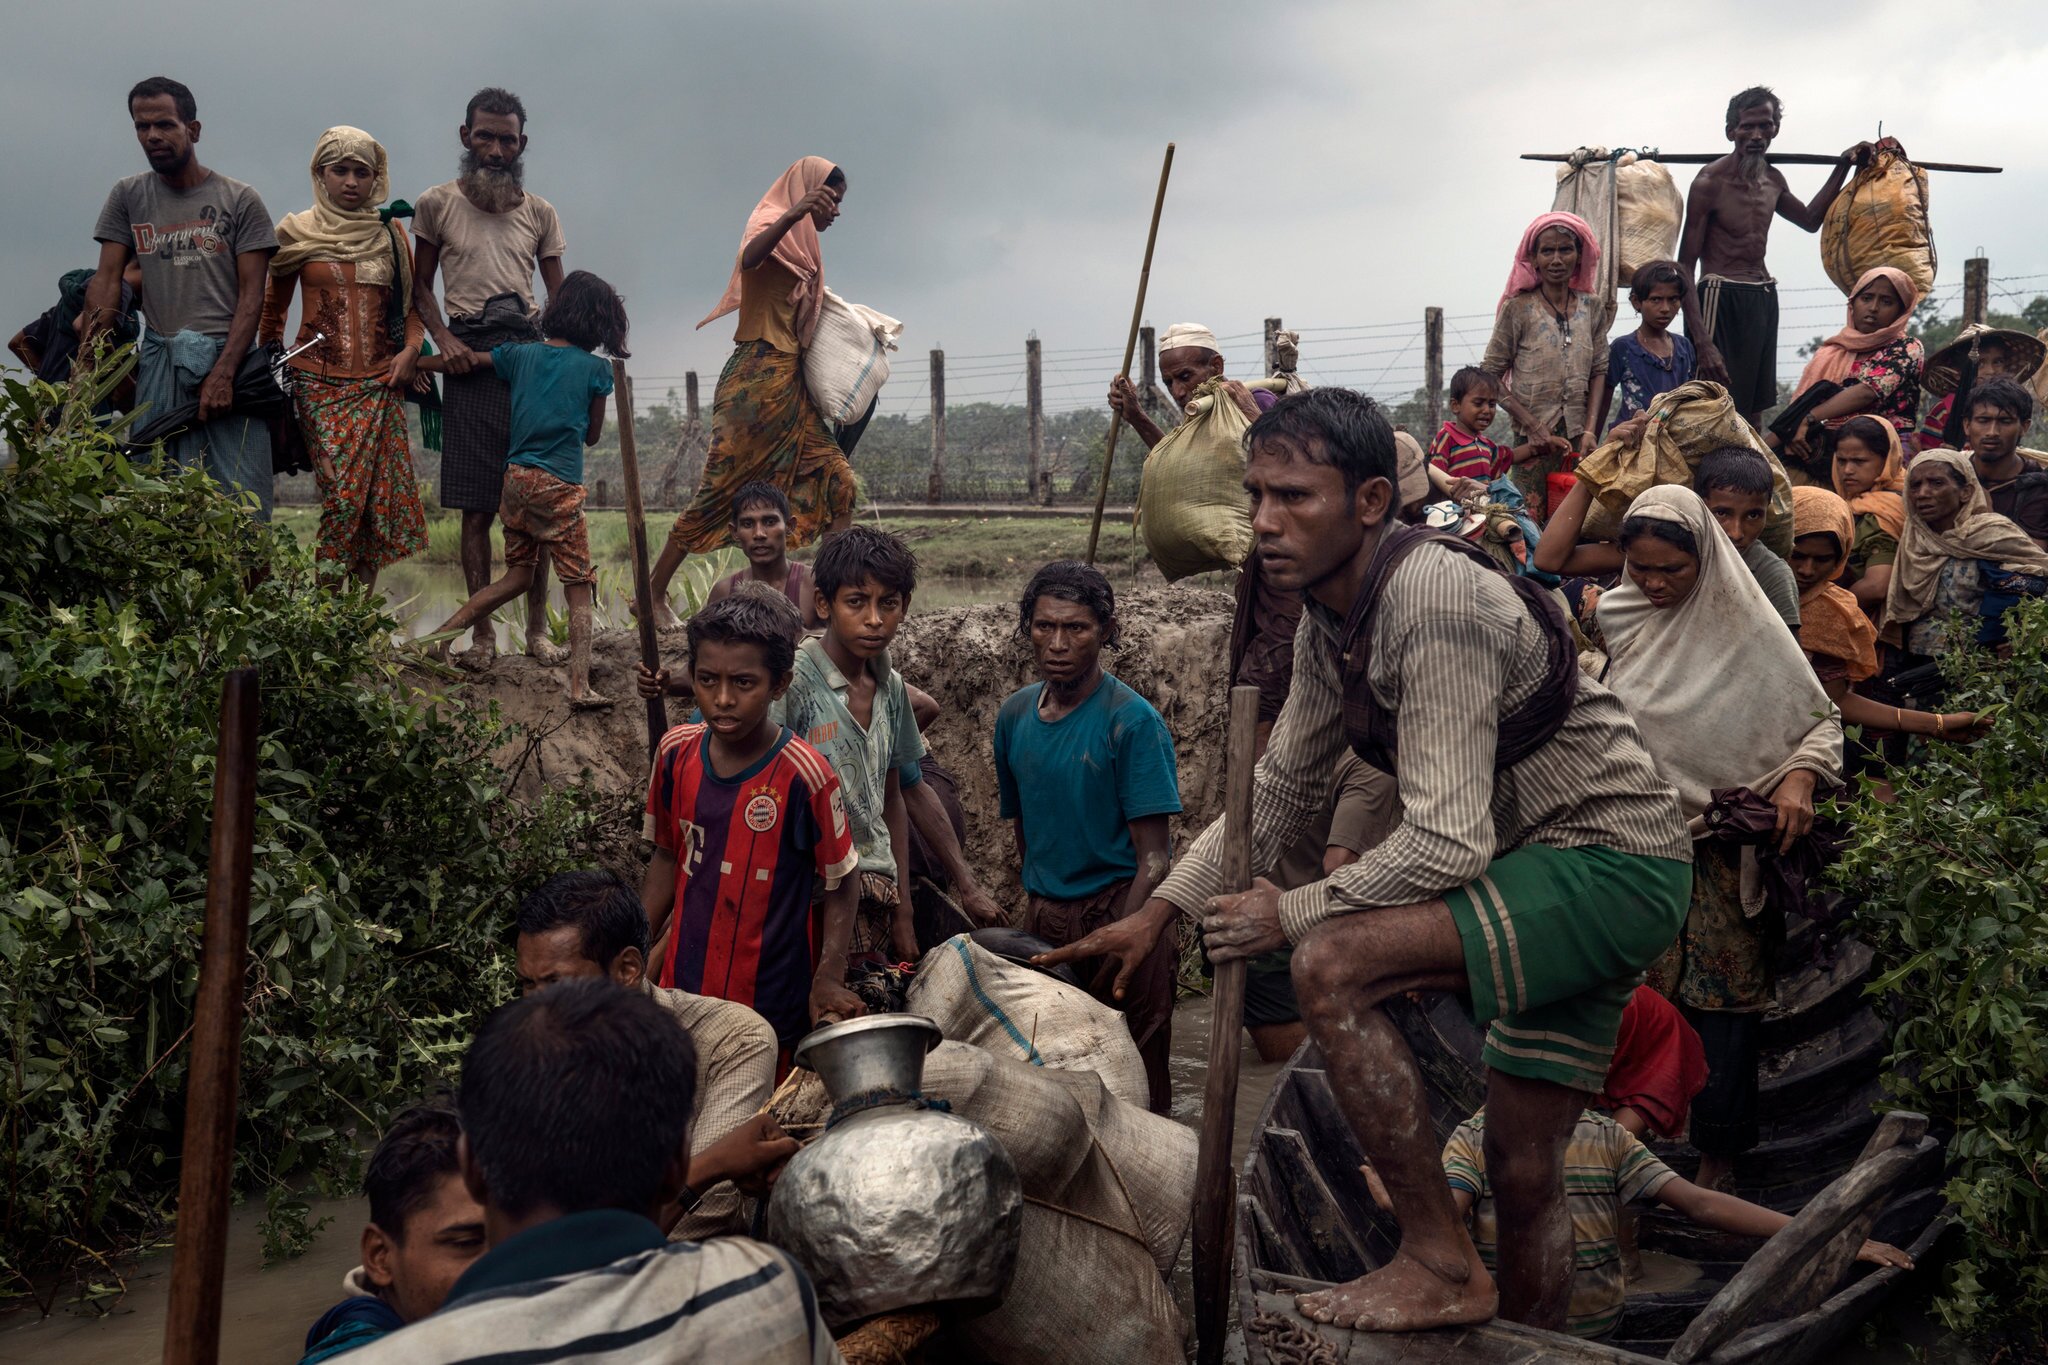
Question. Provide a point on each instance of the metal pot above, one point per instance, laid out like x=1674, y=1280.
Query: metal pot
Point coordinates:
x=899, y=1204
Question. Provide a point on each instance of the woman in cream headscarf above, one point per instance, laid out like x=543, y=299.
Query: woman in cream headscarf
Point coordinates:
x=1957, y=555
x=1723, y=697
x=352, y=268
x=764, y=426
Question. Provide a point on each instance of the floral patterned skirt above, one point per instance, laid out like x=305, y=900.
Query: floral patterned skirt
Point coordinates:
x=765, y=428
x=370, y=514
x=1723, y=959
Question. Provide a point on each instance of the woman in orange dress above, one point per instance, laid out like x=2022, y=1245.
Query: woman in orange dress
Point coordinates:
x=351, y=265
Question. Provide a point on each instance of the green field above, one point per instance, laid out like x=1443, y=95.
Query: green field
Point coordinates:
x=958, y=547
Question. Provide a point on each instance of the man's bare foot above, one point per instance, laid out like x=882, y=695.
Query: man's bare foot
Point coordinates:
x=542, y=650
x=480, y=655
x=591, y=700
x=1405, y=1296
x=1714, y=1172
x=664, y=616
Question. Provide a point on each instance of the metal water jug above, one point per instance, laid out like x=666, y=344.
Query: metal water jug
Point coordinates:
x=899, y=1204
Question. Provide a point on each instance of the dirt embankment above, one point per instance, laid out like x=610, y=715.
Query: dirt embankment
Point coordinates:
x=1175, y=642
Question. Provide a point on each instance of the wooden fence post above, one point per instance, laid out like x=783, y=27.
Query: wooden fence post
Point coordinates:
x=1976, y=288
x=1433, y=367
x=935, y=486
x=604, y=496
x=687, y=462
x=1036, y=484
x=1272, y=350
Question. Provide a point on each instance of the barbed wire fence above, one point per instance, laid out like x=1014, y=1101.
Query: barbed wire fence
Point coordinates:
x=993, y=401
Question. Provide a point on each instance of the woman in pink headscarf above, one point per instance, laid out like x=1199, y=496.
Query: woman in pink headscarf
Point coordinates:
x=1872, y=358
x=1549, y=348
x=764, y=426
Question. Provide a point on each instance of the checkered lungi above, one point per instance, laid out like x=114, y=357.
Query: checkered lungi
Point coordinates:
x=476, y=410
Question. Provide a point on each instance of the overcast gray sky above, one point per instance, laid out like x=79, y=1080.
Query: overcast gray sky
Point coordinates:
x=1340, y=165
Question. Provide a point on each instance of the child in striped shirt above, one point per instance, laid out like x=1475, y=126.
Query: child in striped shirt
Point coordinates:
x=1461, y=449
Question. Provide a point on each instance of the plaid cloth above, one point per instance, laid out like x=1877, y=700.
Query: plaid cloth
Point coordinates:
x=476, y=409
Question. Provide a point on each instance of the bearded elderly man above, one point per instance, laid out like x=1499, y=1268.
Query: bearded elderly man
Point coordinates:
x=1731, y=317
x=485, y=234
x=1538, y=864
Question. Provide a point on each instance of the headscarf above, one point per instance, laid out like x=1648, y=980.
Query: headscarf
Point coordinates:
x=1670, y=667
x=1886, y=499
x=1411, y=470
x=328, y=232
x=1979, y=533
x=1522, y=275
x=1831, y=621
x=1188, y=336
x=799, y=251
x=1838, y=355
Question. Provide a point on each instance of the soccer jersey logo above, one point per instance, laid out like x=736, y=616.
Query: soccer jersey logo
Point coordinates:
x=762, y=812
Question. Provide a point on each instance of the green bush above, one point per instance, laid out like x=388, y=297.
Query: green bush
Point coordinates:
x=388, y=852
x=1952, y=877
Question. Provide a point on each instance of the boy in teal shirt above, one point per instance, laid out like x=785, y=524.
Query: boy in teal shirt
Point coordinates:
x=558, y=392
x=1085, y=769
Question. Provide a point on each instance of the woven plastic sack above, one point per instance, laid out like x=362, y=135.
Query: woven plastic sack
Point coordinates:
x=1014, y=1012
x=1685, y=424
x=847, y=362
x=1108, y=1190
x=1880, y=218
x=1651, y=212
x=1192, y=508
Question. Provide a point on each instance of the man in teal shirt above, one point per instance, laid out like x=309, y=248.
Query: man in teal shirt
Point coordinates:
x=1085, y=769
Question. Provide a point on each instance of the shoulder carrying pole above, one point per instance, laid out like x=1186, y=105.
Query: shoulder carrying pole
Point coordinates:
x=636, y=540
x=206, y=1171
x=1215, y=1182
x=1130, y=348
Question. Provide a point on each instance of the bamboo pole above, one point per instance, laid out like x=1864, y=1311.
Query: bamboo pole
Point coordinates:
x=207, y=1168
x=1215, y=1182
x=1130, y=349
x=636, y=540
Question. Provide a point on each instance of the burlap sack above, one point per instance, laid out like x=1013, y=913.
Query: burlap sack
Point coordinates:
x=847, y=362
x=1685, y=424
x=1651, y=212
x=1023, y=1015
x=1880, y=218
x=1192, y=508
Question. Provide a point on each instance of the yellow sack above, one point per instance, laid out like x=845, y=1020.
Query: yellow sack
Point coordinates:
x=1880, y=218
x=1684, y=425
x=1650, y=210
x=1192, y=508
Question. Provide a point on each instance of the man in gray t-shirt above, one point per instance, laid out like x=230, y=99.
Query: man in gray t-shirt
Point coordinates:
x=203, y=243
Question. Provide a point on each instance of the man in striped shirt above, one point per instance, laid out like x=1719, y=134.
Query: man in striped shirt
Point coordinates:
x=1538, y=866
x=576, y=1104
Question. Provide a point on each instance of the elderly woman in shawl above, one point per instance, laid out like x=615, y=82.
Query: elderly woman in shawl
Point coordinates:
x=1873, y=360
x=1549, y=348
x=1687, y=612
x=764, y=426
x=1957, y=556
x=351, y=266
x=1839, y=640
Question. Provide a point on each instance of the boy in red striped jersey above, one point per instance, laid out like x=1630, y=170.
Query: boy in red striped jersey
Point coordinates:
x=742, y=814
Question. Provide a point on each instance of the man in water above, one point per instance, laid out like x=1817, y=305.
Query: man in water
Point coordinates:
x=486, y=235
x=1539, y=862
x=1731, y=317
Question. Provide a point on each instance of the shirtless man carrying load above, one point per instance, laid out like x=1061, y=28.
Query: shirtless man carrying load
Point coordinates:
x=1731, y=316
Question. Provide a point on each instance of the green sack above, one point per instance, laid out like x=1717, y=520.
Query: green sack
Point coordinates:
x=1192, y=509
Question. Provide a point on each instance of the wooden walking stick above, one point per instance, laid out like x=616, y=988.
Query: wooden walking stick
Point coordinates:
x=206, y=1171
x=1215, y=1182
x=1116, y=420
x=636, y=539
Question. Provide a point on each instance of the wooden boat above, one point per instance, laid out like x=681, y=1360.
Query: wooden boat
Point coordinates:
x=1304, y=1217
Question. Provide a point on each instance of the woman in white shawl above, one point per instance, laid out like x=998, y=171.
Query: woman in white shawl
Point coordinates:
x=1723, y=697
